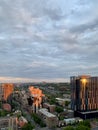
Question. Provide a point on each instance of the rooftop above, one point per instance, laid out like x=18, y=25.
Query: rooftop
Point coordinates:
x=46, y=113
x=63, y=99
x=89, y=112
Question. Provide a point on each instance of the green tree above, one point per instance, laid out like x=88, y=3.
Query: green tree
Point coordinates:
x=85, y=123
x=38, y=120
x=69, y=128
x=42, y=124
x=61, y=117
x=3, y=113
x=18, y=116
x=52, y=101
x=82, y=127
x=28, y=127
x=9, y=128
x=67, y=103
x=0, y=104
x=14, y=105
x=59, y=109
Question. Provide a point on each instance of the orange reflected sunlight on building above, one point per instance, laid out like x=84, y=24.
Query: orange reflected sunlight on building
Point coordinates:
x=36, y=95
x=7, y=90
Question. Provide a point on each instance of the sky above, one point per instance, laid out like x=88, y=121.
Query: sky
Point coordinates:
x=48, y=40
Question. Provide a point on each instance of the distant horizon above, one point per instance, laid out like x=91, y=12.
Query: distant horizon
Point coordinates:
x=32, y=80
x=27, y=80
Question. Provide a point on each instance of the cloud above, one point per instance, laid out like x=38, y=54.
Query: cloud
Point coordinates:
x=48, y=40
x=92, y=25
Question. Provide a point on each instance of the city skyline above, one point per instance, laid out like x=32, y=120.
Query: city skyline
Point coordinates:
x=48, y=40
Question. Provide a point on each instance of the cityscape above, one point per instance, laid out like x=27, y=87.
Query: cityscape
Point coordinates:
x=49, y=106
x=48, y=65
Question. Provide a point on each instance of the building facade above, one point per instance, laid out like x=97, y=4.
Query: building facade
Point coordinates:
x=35, y=98
x=84, y=95
x=6, y=90
x=1, y=92
x=51, y=108
x=8, y=123
x=48, y=118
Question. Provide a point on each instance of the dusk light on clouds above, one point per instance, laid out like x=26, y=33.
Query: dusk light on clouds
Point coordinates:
x=48, y=40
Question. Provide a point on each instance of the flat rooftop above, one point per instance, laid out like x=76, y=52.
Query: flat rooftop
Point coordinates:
x=46, y=113
x=89, y=112
x=63, y=99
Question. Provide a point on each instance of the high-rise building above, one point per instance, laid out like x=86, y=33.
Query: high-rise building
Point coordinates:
x=84, y=96
x=35, y=98
x=6, y=90
x=1, y=92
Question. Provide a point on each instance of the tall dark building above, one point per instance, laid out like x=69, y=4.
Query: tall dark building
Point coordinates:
x=84, y=96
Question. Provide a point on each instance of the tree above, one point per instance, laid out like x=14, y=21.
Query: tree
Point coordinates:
x=59, y=109
x=61, y=117
x=0, y=104
x=82, y=127
x=52, y=101
x=3, y=113
x=14, y=105
x=69, y=128
x=38, y=120
x=85, y=123
x=67, y=103
x=28, y=127
x=42, y=124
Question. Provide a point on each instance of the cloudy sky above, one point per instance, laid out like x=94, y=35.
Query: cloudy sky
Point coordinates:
x=48, y=40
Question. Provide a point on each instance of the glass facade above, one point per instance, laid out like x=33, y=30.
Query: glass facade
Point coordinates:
x=84, y=93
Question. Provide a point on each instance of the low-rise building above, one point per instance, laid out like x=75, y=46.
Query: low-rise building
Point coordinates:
x=49, y=119
x=67, y=96
x=51, y=108
x=71, y=121
x=22, y=121
x=6, y=107
x=70, y=113
x=61, y=101
x=8, y=123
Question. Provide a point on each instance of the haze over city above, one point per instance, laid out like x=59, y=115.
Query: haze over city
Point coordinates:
x=48, y=40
